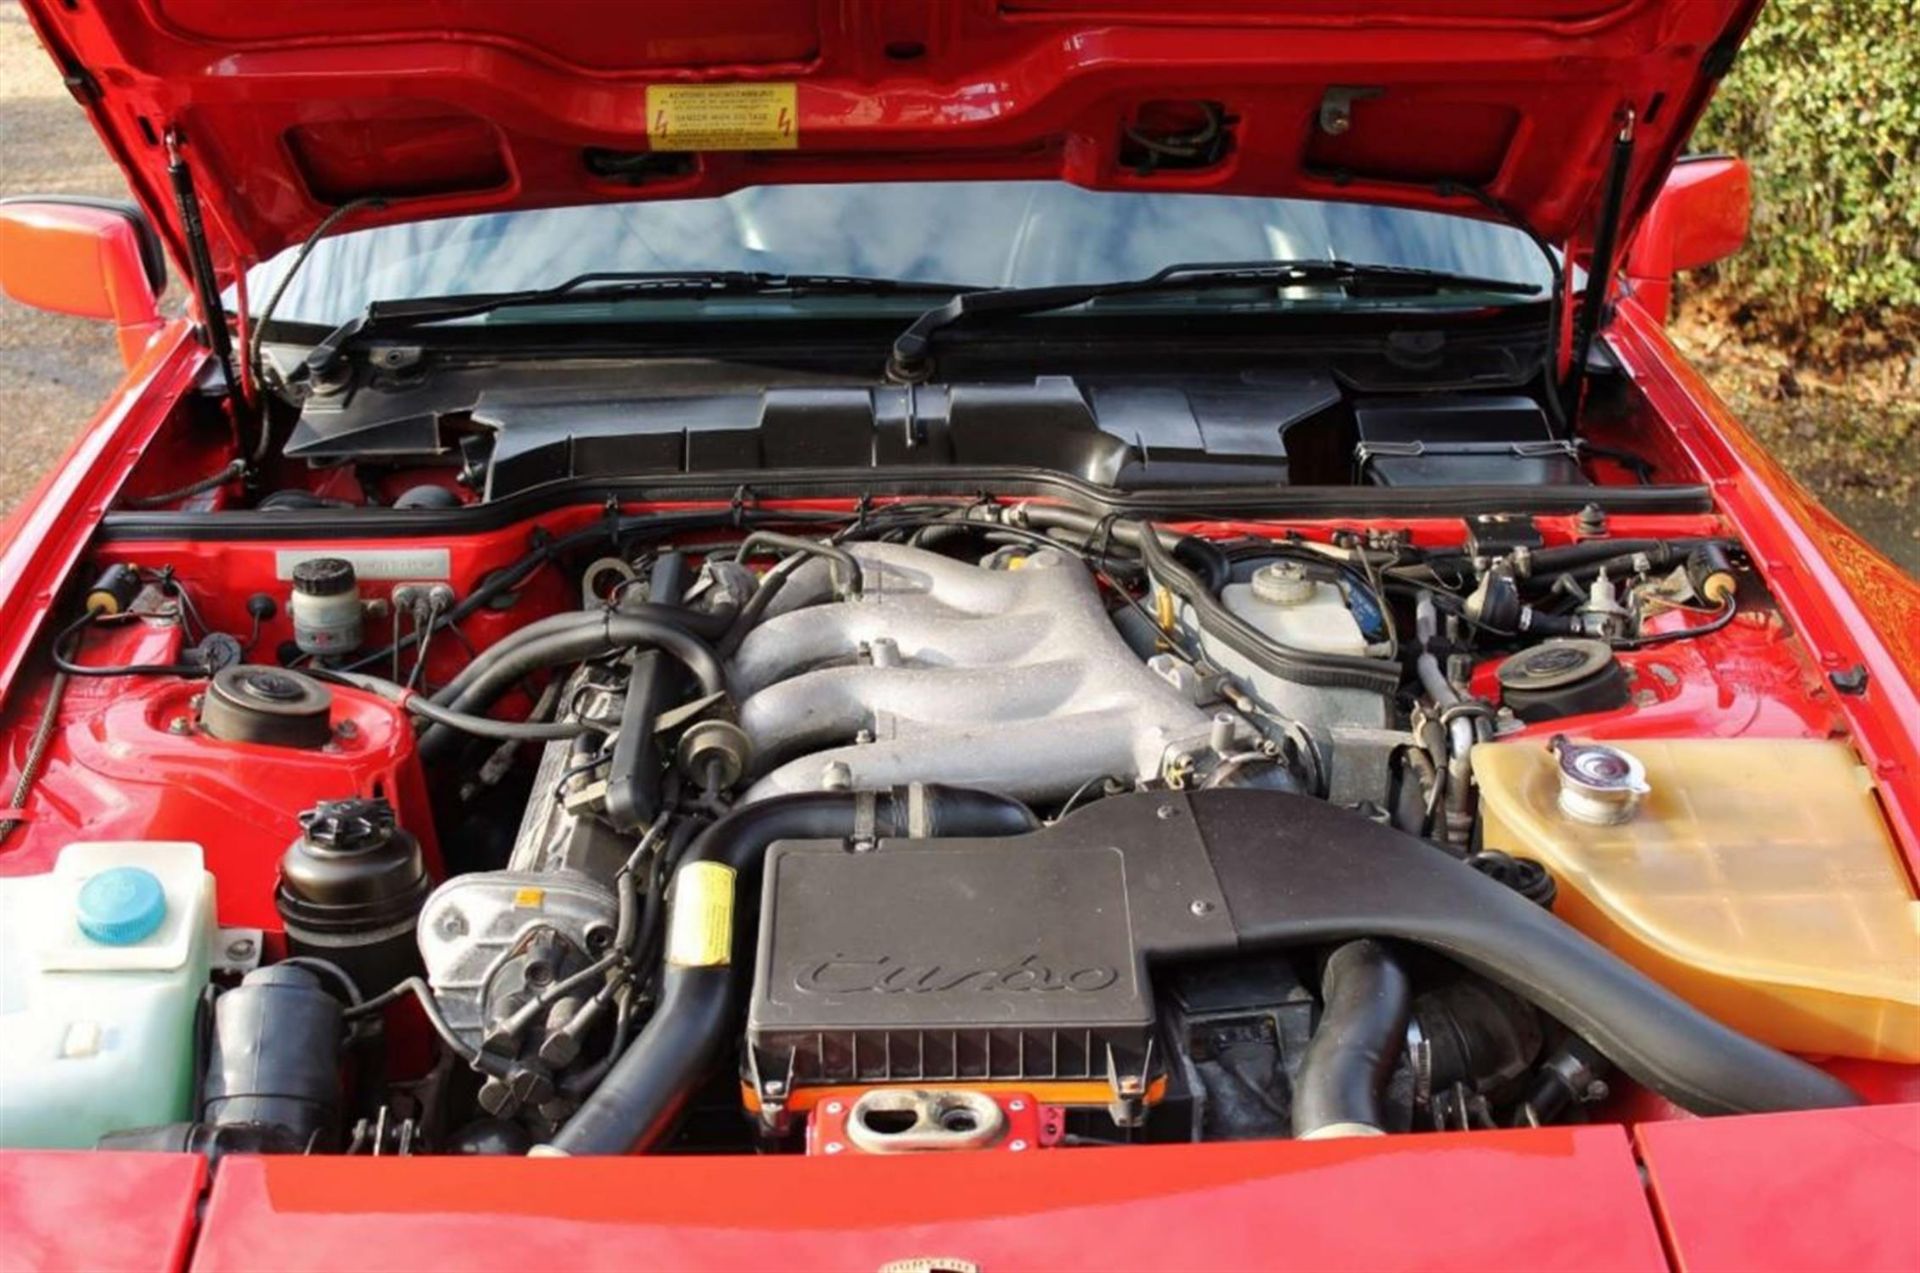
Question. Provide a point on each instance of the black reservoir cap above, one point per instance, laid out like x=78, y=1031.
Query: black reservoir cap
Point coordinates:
x=353, y=855
x=323, y=576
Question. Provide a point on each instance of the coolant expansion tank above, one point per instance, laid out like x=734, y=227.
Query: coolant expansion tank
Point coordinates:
x=1756, y=879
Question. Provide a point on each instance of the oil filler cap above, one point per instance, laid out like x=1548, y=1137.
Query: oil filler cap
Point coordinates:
x=122, y=905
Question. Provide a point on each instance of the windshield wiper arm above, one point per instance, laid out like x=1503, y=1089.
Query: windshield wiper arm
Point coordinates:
x=395, y=315
x=909, y=360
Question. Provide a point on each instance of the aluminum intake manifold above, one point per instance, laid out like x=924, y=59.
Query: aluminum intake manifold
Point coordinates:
x=1014, y=680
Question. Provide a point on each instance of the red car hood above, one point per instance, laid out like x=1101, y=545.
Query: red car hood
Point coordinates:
x=1820, y=1190
x=284, y=111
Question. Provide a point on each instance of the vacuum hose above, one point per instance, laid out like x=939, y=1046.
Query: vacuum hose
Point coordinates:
x=635, y=1107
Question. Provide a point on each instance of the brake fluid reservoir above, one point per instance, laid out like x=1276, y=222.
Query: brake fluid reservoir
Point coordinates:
x=102, y=964
x=1753, y=877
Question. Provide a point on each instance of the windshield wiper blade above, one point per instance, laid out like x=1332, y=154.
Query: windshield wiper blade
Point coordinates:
x=614, y=285
x=909, y=359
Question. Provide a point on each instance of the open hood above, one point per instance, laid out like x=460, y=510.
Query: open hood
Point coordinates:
x=282, y=112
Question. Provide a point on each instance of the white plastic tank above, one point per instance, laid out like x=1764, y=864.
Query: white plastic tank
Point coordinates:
x=1296, y=610
x=102, y=964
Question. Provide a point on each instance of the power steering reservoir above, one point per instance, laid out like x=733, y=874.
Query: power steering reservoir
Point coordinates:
x=1753, y=877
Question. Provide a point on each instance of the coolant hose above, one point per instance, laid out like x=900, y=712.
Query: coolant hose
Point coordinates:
x=1351, y=1055
x=1289, y=663
x=1203, y=556
x=601, y=634
x=635, y=1107
x=702, y=625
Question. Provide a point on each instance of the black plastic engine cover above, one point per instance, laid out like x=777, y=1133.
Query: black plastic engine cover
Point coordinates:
x=1026, y=958
x=948, y=961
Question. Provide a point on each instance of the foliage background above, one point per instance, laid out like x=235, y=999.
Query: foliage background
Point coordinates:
x=1812, y=332
x=1824, y=102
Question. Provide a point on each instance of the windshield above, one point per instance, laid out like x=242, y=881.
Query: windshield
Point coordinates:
x=982, y=234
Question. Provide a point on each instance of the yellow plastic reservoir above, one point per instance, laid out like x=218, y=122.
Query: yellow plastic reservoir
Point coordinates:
x=1756, y=879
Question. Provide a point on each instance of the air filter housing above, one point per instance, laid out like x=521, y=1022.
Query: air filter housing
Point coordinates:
x=967, y=962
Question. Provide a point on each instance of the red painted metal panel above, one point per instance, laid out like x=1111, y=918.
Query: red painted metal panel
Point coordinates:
x=1826, y=1189
x=118, y=771
x=1522, y=96
x=1549, y=1199
x=75, y=1210
x=1845, y=601
x=43, y=539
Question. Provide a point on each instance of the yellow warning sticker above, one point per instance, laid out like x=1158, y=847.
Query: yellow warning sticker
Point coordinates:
x=529, y=898
x=700, y=934
x=722, y=117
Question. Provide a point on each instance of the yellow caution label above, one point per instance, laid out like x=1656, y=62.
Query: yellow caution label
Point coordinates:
x=722, y=117
x=529, y=898
x=701, y=932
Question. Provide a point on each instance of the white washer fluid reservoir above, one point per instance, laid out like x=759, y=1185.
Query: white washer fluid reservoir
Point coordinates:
x=102, y=964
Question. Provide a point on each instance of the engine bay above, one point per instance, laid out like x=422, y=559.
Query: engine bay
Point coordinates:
x=923, y=824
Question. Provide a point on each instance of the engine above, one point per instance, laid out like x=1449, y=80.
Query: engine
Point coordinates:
x=951, y=827
x=883, y=668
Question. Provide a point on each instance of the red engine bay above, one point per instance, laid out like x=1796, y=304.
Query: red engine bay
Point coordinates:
x=130, y=765
x=1009, y=750
x=134, y=759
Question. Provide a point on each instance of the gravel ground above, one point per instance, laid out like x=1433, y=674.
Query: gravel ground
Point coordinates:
x=55, y=372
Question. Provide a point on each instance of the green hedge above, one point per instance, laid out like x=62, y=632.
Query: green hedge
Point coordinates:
x=1824, y=101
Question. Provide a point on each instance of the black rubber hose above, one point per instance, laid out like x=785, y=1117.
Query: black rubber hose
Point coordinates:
x=763, y=594
x=708, y=625
x=1202, y=556
x=1583, y=560
x=635, y=1107
x=1332, y=876
x=449, y=694
x=1362, y=1028
x=487, y=727
x=233, y=472
x=619, y=530
x=701, y=624
x=1589, y=555
x=450, y=720
x=66, y=645
x=1303, y=667
x=609, y=632
x=844, y=565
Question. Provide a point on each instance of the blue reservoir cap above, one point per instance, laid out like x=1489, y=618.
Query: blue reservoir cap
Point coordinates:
x=122, y=905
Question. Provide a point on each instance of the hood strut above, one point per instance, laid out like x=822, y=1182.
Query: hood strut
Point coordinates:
x=206, y=287
x=1606, y=238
